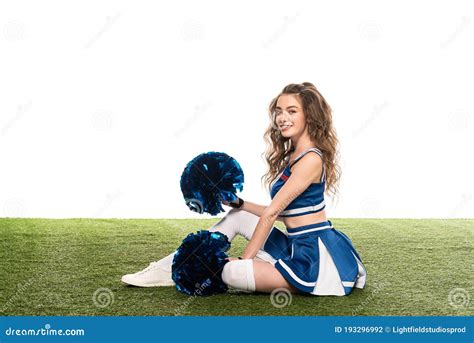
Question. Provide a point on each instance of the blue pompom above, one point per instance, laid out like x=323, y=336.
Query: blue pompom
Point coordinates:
x=198, y=262
x=209, y=179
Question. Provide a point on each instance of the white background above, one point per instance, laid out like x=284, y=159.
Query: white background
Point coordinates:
x=103, y=103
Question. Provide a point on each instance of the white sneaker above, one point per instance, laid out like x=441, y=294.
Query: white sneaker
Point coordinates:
x=152, y=276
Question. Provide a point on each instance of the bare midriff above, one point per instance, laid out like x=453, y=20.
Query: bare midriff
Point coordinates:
x=306, y=219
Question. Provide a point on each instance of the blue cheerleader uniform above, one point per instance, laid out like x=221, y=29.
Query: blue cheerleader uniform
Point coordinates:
x=316, y=258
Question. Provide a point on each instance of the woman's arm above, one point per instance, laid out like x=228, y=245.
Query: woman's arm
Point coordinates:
x=256, y=209
x=253, y=208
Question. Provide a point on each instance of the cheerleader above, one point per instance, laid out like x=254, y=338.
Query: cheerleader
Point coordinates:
x=311, y=256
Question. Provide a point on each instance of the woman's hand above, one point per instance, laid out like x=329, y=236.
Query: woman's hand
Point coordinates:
x=236, y=201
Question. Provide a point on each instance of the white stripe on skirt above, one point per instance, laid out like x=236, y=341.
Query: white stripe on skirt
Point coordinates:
x=329, y=281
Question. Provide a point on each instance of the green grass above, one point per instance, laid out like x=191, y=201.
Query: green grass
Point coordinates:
x=54, y=266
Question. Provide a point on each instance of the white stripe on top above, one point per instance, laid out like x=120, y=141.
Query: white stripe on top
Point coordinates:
x=304, y=209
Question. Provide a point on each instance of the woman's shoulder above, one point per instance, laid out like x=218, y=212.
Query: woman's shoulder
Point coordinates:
x=316, y=158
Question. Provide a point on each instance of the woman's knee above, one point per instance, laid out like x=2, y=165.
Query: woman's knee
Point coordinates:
x=237, y=221
x=239, y=274
x=231, y=216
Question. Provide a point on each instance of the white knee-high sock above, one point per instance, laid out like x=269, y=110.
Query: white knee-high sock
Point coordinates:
x=237, y=222
x=239, y=274
x=233, y=223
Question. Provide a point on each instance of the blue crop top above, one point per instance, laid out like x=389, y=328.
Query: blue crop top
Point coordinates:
x=311, y=200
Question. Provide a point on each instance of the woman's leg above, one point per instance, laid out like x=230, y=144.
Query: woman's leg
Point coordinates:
x=158, y=273
x=268, y=278
x=254, y=275
x=235, y=222
x=258, y=274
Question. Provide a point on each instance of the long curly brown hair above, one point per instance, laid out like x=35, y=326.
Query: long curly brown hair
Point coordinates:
x=318, y=116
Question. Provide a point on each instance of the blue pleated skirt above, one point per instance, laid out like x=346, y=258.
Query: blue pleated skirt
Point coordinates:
x=317, y=259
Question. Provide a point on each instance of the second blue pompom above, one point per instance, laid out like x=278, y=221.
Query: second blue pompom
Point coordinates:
x=198, y=263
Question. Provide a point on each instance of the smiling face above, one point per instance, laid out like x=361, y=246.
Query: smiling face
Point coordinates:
x=289, y=117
